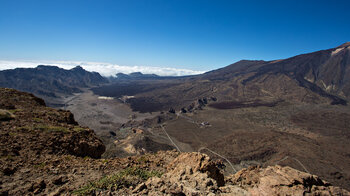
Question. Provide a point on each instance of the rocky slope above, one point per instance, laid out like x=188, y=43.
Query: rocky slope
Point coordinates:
x=45, y=152
x=315, y=77
x=35, y=129
x=32, y=133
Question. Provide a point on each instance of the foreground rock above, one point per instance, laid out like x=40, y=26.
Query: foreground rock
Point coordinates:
x=278, y=180
x=196, y=174
x=189, y=174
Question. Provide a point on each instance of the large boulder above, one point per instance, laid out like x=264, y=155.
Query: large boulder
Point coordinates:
x=189, y=174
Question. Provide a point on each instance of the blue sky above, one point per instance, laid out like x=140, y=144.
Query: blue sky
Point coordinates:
x=181, y=34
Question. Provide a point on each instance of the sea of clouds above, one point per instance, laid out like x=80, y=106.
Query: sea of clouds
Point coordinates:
x=105, y=69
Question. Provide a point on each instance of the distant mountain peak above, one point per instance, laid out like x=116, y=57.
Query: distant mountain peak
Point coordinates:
x=56, y=80
x=78, y=68
x=135, y=75
x=47, y=67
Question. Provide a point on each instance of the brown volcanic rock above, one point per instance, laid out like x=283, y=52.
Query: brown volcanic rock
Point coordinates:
x=278, y=180
x=37, y=129
x=184, y=182
x=188, y=174
x=198, y=163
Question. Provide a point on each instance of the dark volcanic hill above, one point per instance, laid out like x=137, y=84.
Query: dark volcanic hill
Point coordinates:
x=325, y=72
x=49, y=81
x=319, y=74
x=140, y=76
x=318, y=77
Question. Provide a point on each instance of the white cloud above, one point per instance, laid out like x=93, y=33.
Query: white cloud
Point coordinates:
x=105, y=69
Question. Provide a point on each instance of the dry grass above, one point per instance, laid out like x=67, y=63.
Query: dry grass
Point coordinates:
x=124, y=178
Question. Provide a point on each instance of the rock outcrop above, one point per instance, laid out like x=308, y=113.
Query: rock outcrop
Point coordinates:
x=197, y=174
x=278, y=180
x=32, y=128
x=188, y=174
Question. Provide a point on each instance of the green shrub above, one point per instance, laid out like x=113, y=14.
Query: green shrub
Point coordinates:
x=142, y=159
x=104, y=160
x=47, y=128
x=41, y=165
x=78, y=129
x=15, y=110
x=124, y=178
x=50, y=128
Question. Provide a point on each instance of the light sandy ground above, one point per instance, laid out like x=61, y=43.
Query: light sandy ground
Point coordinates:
x=101, y=115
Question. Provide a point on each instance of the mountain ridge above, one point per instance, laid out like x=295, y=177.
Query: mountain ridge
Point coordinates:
x=317, y=77
x=50, y=81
